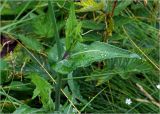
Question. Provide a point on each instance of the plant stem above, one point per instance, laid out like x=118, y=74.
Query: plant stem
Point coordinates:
x=59, y=50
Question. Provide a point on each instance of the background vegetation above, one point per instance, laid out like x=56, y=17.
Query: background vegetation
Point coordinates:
x=92, y=56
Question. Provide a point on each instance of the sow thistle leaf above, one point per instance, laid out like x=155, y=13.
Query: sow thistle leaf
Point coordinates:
x=30, y=43
x=43, y=90
x=90, y=5
x=124, y=67
x=84, y=55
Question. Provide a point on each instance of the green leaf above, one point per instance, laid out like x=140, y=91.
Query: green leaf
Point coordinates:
x=91, y=37
x=18, y=86
x=53, y=54
x=3, y=65
x=90, y=5
x=70, y=25
x=4, y=70
x=73, y=29
x=124, y=67
x=43, y=26
x=31, y=43
x=15, y=7
x=104, y=79
x=121, y=6
x=89, y=24
x=43, y=90
x=74, y=87
x=24, y=109
x=84, y=55
x=120, y=20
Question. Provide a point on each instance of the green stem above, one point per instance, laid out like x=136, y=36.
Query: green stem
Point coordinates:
x=59, y=50
x=58, y=92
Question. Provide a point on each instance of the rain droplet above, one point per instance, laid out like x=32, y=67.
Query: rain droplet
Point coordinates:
x=135, y=56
